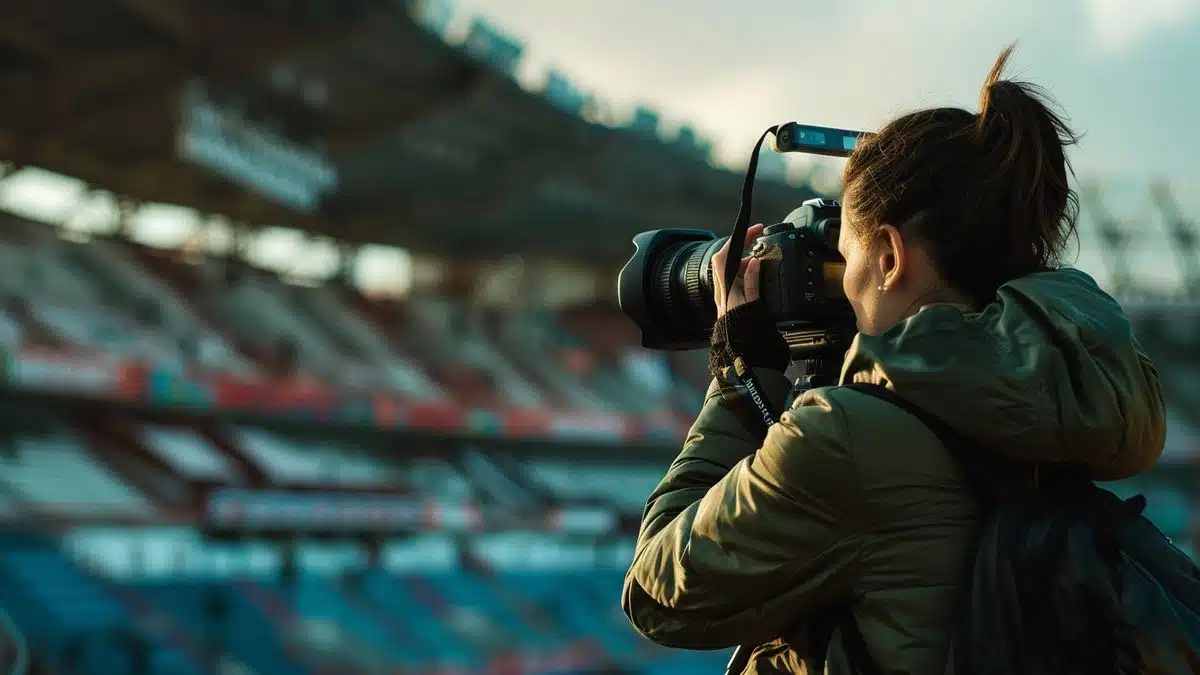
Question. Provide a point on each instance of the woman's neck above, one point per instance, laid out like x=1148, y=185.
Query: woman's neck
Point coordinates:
x=939, y=296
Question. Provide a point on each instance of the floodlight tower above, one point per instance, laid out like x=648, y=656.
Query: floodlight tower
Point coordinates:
x=1114, y=239
x=1183, y=235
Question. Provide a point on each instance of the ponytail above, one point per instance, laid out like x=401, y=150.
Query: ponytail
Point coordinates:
x=988, y=192
x=1025, y=170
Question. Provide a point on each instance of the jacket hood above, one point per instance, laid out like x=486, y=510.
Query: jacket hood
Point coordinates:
x=1049, y=372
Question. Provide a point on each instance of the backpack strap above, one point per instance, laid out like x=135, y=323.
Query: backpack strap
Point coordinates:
x=857, y=653
x=950, y=438
x=989, y=472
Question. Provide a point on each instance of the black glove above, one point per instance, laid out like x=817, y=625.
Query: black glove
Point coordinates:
x=747, y=331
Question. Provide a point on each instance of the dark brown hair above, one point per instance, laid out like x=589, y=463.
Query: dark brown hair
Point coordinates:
x=988, y=194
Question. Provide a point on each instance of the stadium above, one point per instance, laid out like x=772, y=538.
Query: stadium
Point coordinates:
x=236, y=440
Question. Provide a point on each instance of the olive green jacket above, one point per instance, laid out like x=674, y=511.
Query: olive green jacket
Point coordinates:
x=852, y=504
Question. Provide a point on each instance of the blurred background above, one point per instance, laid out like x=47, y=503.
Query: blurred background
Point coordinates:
x=311, y=356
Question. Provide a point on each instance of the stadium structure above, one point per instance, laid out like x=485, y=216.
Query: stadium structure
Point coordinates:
x=214, y=466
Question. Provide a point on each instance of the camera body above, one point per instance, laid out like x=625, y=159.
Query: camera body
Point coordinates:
x=801, y=269
x=666, y=288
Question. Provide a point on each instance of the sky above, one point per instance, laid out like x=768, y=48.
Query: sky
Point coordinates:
x=1127, y=72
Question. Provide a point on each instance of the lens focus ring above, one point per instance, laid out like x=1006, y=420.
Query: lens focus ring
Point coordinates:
x=691, y=278
x=665, y=274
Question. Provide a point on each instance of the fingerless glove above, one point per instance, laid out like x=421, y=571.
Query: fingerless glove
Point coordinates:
x=747, y=331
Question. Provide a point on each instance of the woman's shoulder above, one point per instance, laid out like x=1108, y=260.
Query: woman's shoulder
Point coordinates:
x=888, y=445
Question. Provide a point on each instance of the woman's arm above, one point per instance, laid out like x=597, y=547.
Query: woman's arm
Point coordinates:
x=753, y=525
x=739, y=540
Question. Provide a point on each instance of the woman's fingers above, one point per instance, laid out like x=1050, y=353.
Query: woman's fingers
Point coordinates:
x=718, y=265
x=753, y=234
x=750, y=279
x=741, y=285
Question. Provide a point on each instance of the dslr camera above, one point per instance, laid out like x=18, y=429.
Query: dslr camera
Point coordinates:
x=666, y=288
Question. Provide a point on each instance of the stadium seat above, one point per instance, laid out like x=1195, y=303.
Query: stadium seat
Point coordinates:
x=54, y=471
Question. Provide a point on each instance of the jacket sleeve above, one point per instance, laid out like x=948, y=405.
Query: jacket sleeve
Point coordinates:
x=739, y=542
x=1146, y=436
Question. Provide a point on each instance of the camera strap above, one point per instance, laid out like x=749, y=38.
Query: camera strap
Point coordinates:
x=733, y=263
x=737, y=247
x=737, y=240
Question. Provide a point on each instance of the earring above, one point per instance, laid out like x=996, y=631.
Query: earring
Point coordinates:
x=883, y=288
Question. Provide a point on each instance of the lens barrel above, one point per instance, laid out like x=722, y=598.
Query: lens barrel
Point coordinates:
x=666, y=287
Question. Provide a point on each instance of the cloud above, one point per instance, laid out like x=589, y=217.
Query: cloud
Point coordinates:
x=1119, y=25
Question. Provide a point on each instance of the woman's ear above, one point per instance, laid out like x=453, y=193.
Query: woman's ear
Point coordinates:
x=891, y=259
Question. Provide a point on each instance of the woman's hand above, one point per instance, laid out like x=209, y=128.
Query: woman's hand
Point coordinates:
x=745, y=286
x=750, y=333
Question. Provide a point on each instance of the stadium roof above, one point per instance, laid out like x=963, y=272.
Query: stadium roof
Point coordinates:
x=436, y=152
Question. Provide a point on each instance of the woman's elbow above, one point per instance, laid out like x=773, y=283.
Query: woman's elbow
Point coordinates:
x=669, y=628
x=1147, y=439
x=645, y=615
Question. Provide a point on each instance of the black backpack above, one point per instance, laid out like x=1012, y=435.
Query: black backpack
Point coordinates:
x=1068, y=579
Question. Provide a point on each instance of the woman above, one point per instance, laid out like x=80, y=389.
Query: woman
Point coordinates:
x=850, y=507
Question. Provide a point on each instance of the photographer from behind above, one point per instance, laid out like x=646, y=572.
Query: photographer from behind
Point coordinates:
x=840, y=532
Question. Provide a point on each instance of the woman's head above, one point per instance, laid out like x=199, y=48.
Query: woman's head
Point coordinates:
x=945, y=205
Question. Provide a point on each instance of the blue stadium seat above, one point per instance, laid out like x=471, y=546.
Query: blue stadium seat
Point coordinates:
x=318, y=597
x=58, y=606
x=461, y=589
x=394, y=595
x=587, y=602
x=250, y=636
